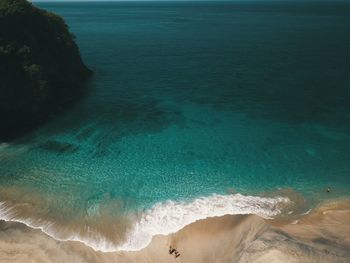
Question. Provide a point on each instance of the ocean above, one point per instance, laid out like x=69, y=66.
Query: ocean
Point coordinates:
x=195, y=109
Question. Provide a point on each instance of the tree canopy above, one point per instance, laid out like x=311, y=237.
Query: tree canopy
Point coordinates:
x=40, y=65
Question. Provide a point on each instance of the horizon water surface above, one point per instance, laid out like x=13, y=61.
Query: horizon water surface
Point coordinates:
x=196, y=109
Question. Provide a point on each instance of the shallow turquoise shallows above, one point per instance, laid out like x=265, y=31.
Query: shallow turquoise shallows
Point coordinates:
x=188, y=100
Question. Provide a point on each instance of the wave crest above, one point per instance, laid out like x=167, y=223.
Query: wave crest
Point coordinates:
x=169, y=217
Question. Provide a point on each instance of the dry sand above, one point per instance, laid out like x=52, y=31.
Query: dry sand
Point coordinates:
x=321, y=236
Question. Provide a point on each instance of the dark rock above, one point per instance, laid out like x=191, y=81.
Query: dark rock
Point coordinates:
x=41, y=69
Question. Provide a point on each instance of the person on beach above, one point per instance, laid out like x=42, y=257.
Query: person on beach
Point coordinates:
x=171, y=250
x=177, y=254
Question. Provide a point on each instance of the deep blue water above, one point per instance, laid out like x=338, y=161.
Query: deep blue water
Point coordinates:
x=190, y=99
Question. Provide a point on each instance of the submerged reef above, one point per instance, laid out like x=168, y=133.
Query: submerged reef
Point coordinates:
x=41, y=70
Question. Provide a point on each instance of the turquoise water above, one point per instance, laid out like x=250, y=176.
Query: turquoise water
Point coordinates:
x=190, y=99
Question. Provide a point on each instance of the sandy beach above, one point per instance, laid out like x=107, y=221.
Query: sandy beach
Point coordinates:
x=323, y=235
x=220, y=129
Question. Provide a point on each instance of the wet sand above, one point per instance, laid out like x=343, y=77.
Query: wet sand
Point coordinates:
x=321, y=236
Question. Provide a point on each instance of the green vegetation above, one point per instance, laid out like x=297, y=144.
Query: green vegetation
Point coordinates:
x=40, y=66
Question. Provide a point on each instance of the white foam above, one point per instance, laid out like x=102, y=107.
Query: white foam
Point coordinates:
x=170, y=217
x=165, y=218
x=93, y=239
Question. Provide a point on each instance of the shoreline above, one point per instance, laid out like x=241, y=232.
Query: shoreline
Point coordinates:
x=323, y=235
x=135, y=231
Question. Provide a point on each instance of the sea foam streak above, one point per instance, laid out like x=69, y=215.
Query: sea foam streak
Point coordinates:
x=167, y=217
